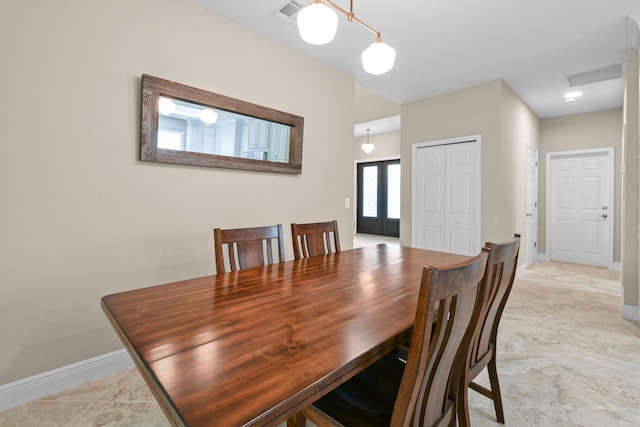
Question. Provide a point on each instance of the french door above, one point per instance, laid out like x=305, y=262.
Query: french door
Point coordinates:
x=379, y=198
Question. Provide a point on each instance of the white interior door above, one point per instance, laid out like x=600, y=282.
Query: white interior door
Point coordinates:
x=460, y=199
x=532, y=205
x=429, y=197
x=581, y=209
x=446, y=201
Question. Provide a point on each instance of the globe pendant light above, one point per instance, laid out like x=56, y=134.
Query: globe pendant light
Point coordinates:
x=317, y=23
x=378, y=58
x=367, y=147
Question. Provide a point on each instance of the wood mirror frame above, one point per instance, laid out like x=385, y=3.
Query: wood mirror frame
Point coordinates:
x=153, y=88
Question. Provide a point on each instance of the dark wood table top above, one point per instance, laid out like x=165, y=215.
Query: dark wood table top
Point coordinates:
x=254, y=346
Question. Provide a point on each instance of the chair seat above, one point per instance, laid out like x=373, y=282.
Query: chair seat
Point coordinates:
x=368, y=398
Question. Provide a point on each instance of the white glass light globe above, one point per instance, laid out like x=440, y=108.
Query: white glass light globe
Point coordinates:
x=367, y=147
x=317, y=23
x=166, y=106
x=378, y=58
x=208, y=116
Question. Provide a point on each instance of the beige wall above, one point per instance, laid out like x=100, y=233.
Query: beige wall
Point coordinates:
x=371, y=106
x=600, y=129
x=81, y=217
x=387, y=145
x=506, y=126
x=520, y=128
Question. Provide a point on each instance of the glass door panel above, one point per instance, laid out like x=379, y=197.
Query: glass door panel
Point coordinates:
x=370, y=191
x=393, y=191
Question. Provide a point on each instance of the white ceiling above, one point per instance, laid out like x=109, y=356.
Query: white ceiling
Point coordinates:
x=444, y=45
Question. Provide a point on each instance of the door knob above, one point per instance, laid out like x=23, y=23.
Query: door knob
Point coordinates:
x=604, y=216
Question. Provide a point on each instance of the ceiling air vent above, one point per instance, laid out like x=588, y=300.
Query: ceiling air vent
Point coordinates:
x=289, y=10
x=598, y=75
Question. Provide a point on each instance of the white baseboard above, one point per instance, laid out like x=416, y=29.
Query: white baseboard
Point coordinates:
x=31, y=388
x=521, y=269
x=631, y=312
x=615, y=266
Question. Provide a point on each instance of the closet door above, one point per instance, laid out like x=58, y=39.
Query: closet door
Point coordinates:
x=447, y=210
x=429, y=192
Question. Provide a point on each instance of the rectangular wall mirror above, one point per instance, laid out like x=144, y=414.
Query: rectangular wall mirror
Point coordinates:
x=184, y=125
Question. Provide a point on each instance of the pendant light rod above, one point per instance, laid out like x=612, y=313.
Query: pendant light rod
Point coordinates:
x=351, y=17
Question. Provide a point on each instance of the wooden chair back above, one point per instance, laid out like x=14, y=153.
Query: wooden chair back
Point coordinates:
x=448, y=307
x=497, y=283
x=501, y=271
x=247, y=247
x=314, y=239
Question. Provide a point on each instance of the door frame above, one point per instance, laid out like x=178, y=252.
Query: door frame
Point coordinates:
x=610, y=153
x=535, y=193
x=355, y=184
x=477, y=139
x=382, y=221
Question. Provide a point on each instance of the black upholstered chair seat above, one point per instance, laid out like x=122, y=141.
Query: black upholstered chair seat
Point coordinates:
x=368, y=398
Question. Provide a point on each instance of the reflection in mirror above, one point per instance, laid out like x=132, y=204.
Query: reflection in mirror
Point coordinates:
x=185, y=125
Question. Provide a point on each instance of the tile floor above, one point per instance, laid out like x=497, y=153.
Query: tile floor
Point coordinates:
x=565, y=358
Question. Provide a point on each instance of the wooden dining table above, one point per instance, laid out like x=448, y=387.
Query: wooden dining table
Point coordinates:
x=255, y=346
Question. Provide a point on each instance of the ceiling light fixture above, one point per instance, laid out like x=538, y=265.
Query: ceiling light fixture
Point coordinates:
x=367, y=147
x=318, y=24
x=573, y=95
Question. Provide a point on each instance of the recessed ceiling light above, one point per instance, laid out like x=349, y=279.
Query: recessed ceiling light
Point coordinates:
x=572, y=95
x=569, y=100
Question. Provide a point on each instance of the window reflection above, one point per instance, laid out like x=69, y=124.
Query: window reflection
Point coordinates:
x=171, y=140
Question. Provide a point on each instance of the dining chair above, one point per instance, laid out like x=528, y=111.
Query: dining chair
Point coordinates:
x=498, y=281
x=422, y=391
x=247, y=247
x=315, y=239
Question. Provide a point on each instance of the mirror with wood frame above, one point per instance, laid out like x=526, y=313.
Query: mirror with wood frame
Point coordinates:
x=184, y=125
